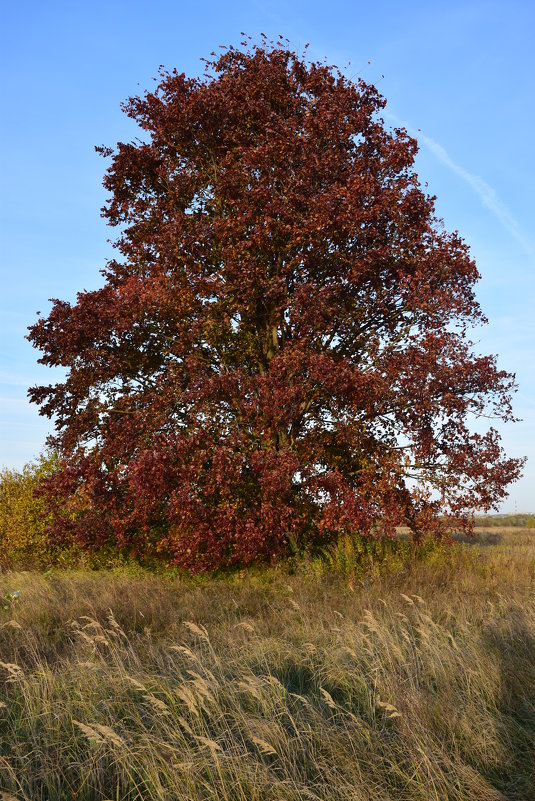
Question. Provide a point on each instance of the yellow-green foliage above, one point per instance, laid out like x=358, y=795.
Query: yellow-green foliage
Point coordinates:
x=22, y=524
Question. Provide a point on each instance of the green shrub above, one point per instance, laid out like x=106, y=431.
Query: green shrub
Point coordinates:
x=23, y=521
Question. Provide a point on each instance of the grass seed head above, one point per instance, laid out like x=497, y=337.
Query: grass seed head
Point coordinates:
x=263, y=745
x=197, y=629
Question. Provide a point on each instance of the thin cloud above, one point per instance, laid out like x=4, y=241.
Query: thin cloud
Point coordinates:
x=485, y=192
x=10, y=380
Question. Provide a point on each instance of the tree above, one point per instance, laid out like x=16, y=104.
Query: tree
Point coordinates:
x=281, y=350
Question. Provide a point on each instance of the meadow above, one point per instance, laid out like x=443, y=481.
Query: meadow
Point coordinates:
x=372, y=673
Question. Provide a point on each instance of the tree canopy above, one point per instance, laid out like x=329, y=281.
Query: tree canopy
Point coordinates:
x=281, y=350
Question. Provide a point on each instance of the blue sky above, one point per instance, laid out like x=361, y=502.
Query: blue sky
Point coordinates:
x=459, y=74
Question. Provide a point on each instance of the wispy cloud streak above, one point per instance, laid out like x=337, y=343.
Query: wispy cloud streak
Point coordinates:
x=488, y=196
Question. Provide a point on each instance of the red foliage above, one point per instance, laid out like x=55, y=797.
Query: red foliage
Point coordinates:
x=281, y=351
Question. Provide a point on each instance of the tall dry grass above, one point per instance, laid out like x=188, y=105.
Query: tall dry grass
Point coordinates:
x=366, y=675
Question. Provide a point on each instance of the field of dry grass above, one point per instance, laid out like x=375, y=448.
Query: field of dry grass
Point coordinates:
x=365, y=676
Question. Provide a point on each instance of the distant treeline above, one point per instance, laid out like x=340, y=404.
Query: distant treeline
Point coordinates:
x=501, y=521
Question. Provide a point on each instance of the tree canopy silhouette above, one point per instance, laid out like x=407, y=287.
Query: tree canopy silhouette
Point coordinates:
x=281, y=350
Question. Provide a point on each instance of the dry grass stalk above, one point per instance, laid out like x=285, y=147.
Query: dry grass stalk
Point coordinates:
x=211, y=723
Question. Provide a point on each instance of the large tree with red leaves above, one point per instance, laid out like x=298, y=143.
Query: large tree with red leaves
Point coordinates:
x=281, y=351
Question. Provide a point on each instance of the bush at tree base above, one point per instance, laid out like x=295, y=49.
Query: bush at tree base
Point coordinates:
x=24, y=536
x=281, y=350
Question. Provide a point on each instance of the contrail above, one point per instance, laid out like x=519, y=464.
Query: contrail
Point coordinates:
x=485, y=192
